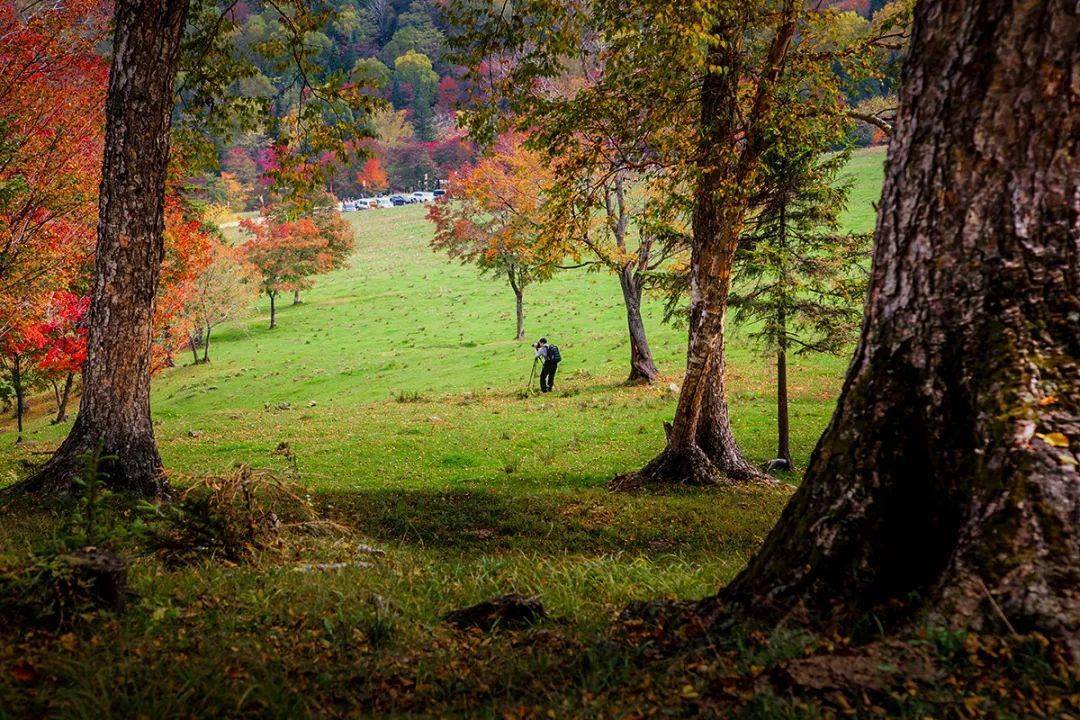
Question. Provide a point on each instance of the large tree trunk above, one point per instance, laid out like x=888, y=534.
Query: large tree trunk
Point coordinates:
x=115, y=409
x=948, y=478
x=642, y=368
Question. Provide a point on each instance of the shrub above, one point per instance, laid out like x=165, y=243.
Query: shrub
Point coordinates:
x=234, y=518
x=55, y=589
x=77, y=572
x=409, y=396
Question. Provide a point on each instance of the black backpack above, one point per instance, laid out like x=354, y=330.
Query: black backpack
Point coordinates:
x=553, y=354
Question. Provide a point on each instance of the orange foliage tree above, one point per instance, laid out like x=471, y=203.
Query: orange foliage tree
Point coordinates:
x=372, y=177
x=492, y=218
x=294, y=240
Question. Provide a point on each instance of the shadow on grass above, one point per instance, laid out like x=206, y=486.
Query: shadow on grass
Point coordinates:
x=589, y=523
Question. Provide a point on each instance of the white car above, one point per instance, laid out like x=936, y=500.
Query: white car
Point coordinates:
x=384, y=202
x=423, y=197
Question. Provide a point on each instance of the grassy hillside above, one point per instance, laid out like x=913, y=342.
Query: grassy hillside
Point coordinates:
x=402, y=322
x=397, y=386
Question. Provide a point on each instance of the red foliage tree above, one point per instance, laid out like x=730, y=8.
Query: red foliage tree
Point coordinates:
x=52, y=89
x=188, y=251
x=63, y=346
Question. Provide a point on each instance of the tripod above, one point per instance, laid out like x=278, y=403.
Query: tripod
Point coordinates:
x=532, y=375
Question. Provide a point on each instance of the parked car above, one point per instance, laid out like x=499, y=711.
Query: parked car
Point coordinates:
x=423, y=197
x=384, y=202
x=398, y=200
x=438, y=193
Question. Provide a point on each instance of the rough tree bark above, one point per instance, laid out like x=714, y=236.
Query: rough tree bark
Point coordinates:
x=115, y=408
x=948, y=479
x=701, y=448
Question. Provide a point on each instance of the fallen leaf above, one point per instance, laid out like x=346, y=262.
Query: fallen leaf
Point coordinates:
x=1054, y=439
x=23, y=672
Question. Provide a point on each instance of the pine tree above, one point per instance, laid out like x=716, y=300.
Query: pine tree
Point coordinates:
x=798, y=280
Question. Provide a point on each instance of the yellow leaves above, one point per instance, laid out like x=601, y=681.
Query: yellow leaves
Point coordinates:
x=1054, y=439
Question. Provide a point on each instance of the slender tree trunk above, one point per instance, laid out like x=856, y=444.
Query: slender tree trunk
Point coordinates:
x=273, y=310
x=948, y=478
x=115, y=409
x=193, y=343
x=206, y=345
x=65, y=396
x=783, y=449
x=519, y=298
x=783, y=432
x=642, y=368
x=296, y=297
x=701, y=448
x=519, y=304
x=20, y=396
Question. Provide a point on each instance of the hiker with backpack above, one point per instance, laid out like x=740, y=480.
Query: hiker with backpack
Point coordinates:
x=551, y=357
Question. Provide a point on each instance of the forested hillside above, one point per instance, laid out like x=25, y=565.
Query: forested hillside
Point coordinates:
x=400, y=51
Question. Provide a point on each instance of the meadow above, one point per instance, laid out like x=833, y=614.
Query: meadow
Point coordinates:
x=396, y=385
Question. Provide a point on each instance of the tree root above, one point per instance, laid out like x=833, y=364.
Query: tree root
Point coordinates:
x=691, y=467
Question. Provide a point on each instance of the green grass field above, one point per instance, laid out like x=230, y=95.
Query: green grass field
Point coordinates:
x=396, y=383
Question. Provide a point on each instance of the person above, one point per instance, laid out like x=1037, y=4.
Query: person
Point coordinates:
x=551, y=357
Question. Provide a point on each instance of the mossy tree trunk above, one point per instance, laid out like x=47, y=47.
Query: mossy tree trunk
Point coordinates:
x=115, y=409
x=948, y=478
